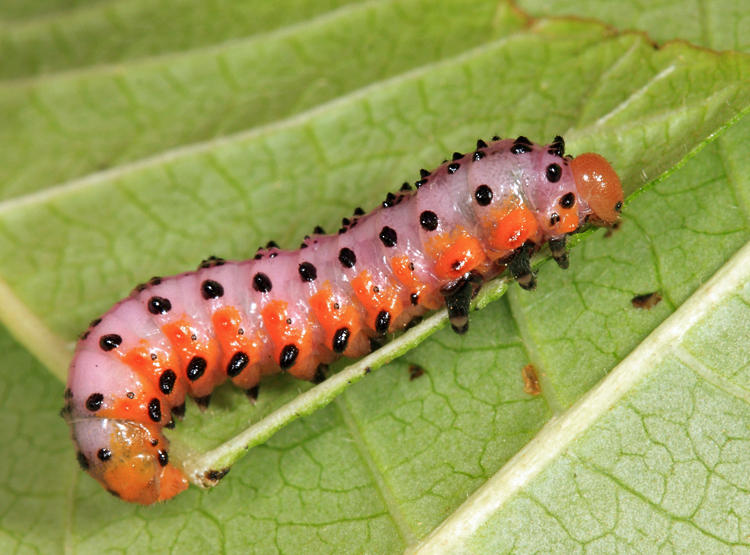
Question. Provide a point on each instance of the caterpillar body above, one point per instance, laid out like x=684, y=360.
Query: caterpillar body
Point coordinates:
x=427, y=246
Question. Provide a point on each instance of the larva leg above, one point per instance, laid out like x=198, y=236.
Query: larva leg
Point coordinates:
x=457, y=300
x=320, y=374
x=559, y=252
x=203, y=402
x=520, y=267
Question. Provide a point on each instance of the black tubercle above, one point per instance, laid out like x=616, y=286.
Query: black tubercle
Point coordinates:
x=557, y=147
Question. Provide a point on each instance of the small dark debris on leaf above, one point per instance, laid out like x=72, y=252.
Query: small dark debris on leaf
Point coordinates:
x=415, y=371
x=216, y=475
x=647, y=300
x=530, y=380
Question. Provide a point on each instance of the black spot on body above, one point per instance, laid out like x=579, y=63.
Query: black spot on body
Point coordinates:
x=554, y=218
x=159, y=305
x=423, y=173
x=341, y=340
x=104, y=454
x=211, y=289
x=481, y=144
x=453, y=168
x=347, y=257
x=618, y=206
x=428, y=220
x=237, y=364
x=419, y=183
x=567, y=200
x=196, y=367
x=405, y=187
x=154, y=409
x=478, y=155
x=388, y=236
x=483, y=195
x=553, y=173
x=163, y=457
x=261, y=283
x=166, y=381
x=414, y=298
x=109, y=341
x=94, y=402
x=288, y=356
x=307, y=271
x=382, y=321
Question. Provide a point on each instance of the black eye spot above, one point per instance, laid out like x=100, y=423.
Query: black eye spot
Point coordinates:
x=94, y=402
x=568, y=200
x=261, y=283
x=211, y=289
x=237, y=364
x=195, y=368
x=163, y=457
x=307, y=271
x=159, y=305
x=154, y=409
x=428, y=220
x=554, y=173
x=554, y=218
x=110, y=341
x=388, y=236
x=166, y=381
x=104, y=454
x=347, y=258
x=618, y=206
x=453, y=168
x=483, y=195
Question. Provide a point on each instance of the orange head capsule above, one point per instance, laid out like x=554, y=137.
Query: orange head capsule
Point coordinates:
x=598, y=185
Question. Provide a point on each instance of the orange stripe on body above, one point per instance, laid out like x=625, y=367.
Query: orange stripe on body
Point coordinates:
x=376, y=299
x=455, y=254
x=332, y=316
x=232, y=338
x=284, y=331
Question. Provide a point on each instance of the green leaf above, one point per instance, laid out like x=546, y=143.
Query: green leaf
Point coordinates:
x=655, y=454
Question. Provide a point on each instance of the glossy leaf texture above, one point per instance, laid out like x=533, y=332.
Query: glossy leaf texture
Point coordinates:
x=132, y=150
